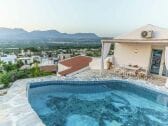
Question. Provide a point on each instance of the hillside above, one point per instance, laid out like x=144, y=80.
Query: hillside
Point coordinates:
x=17, y=34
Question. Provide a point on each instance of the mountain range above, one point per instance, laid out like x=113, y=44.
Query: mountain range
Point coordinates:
x=18, y=34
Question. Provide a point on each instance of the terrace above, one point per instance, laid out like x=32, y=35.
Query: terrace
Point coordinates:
x=16, y=110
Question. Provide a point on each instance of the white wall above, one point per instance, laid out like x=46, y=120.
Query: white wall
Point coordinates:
x=135, y=54
x=96, y=63
x=62, y=67
x=8, y=58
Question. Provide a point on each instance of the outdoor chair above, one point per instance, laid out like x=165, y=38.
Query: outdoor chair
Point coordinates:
x=142, y=73
x=131, y=73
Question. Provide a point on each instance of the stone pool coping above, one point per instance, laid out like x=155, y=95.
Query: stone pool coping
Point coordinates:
x=15, y=109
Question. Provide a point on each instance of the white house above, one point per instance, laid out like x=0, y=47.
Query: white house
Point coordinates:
x=145, y=47
x=8, y=58
x=63, y=56
x=26, y=60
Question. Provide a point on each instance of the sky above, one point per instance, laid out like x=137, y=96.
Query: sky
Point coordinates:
x=106, y=18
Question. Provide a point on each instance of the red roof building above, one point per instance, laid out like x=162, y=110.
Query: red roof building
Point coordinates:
x=74, y=64
x=49, y=68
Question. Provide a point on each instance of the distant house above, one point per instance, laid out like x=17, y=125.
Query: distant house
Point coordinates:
x=46, y=64
x=73, y=65
x=49, y=65
x=25, y=53
x=26, y=60
x=36, y=59
x=47, y=61
x=144, y=47
x=63, y=56
x=30, y=60
x=8, y=58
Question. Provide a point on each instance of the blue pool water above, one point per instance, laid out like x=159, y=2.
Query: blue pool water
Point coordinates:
x=98, y=103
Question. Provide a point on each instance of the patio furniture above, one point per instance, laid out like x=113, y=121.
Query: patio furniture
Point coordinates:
x=132, y=67
x=131, y=70
x=119, y=71
x=122, y=72
x=132, y=73
x=116, y=70
x=142, y=73
x=109, y=65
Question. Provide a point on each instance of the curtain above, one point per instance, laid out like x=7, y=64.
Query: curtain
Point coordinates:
x=166, y=58
x=105, y=50
x=166, y=63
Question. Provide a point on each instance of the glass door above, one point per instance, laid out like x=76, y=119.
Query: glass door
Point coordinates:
x=165, y=71
x=155, y=61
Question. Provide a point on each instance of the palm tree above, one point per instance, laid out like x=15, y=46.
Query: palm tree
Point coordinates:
x=35, y=69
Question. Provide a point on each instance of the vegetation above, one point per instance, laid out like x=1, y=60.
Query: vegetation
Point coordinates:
x=12, y=72
x=50, y=44
x=32, y=49
x=94, y=53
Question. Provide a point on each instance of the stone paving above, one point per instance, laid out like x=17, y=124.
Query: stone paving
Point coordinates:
x=15, y=109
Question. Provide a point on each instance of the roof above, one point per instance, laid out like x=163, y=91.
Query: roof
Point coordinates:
x=49, y=68
x=160, y=35
x=74, y=64
x=25, y=58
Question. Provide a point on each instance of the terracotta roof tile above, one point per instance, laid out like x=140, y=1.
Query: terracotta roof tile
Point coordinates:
x=75, y=64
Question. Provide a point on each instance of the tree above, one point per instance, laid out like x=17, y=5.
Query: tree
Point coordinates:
x=1, y=66
x=35, y=70
x=9, y=66
x=19, y=64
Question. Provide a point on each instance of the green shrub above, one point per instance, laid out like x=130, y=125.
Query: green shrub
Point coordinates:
x=42, y=73
x=6, y=79
x=21, y=74
x=19, y=64
x=35, y=70
x=13, y=75
x=9, y=66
